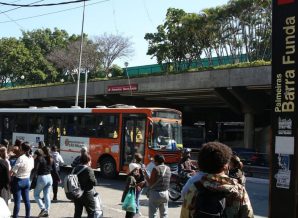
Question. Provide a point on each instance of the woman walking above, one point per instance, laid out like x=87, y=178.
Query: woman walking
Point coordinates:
x=58, y=160
x=5, y=177
x=158, y=182
x=20, y=180
x=43, y=166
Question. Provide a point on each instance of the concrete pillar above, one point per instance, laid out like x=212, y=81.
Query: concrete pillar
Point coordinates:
x=248, y=130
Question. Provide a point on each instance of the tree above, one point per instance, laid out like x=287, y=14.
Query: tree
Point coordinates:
x=116, y=70
x=111, y=47
x=17, y=61
x=238, y=29
x=168, y=45
x=46, y=40
x=67, y=59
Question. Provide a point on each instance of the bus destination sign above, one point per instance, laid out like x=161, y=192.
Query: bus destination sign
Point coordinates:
x=122, y=88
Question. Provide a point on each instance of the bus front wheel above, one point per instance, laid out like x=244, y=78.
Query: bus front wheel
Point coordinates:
x=108, y=167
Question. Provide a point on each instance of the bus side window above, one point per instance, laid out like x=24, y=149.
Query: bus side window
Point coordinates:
x=89, y=125
x=20, y=123
x=7, y=127
x=69, y=125
x=107, y=126
x=100, y=129
x=113, y=123
x=36, y=124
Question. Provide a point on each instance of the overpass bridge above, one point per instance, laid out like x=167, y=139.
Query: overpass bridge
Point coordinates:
x=240, y=94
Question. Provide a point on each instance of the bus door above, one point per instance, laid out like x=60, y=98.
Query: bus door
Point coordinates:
x=53, y=130
x=133, y=137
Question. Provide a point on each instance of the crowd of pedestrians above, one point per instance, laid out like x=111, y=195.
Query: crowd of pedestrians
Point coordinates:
x=21, y=171
x=215, y=188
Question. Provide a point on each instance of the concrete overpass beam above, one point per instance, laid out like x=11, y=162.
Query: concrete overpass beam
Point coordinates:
x=229, y=99
x=256, y=102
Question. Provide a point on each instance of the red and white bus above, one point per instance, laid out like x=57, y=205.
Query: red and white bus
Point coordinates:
x=111, y=134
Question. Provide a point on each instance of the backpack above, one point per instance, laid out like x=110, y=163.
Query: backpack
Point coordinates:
x=209, y=203
x=71, y=185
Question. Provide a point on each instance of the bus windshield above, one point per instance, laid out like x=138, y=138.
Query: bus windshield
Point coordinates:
x=166, y=135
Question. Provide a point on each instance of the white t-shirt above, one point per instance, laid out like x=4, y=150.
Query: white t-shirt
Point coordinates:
x=58, y=160
x=23, y=167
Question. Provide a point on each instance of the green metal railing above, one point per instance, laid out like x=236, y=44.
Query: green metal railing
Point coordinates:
x=157, y=69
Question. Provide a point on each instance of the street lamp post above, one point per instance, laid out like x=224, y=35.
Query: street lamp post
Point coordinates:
x=126, y=65
x=80, y=56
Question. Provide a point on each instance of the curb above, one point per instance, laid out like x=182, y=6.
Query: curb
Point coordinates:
x=257, y=180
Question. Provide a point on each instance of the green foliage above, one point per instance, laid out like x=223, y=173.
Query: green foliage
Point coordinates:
x=116, y=70
x=45, y=40
x=46, y=56
x=241, y=27
x=37, y=75
x=231, y=66
x=15, y=60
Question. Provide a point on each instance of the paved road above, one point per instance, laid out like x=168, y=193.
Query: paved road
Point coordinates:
x=111, y=192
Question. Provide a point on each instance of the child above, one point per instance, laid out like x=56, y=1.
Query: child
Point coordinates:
x=131, y=183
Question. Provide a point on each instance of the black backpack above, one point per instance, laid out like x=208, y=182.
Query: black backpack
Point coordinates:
x=209, y=203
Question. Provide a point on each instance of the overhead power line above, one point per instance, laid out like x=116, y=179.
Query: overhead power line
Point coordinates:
x=42, y=5
x=14, y=21
x=2, y=12
x=55, y=12
x=13, y=2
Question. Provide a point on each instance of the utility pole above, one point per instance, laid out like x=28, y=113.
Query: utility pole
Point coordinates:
x=129, y=83
x=80, y=57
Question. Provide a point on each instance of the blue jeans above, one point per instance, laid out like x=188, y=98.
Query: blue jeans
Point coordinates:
x=44, y=183
x=21, y=187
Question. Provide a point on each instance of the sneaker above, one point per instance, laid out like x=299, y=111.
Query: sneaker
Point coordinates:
x=43, y=213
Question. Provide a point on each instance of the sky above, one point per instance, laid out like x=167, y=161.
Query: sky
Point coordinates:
x=129, y=18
